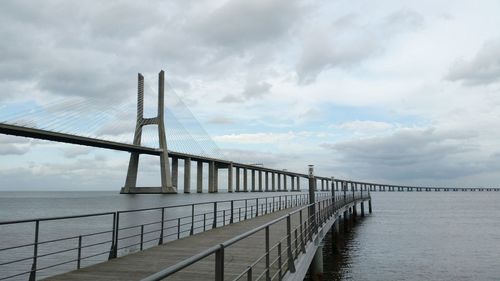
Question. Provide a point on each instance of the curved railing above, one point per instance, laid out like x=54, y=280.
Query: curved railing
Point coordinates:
x=279, y=258
x=102, y=236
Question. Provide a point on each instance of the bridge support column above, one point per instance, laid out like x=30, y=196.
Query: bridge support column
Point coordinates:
x=199, y=177
x=292, y=180
x=322, y=185
x=175, y=171
x=260, y=181
x=346, y=220
x=370, y=206
x=362, y=209
x=245, y=180
x=211, y=177
x=230, y=177
x=279, y=181
x=298, y=184
x=285, y=187
x=267, y=181
x=237, y=179
x=216, y=178
x=253, y=180
x=187, y=175
x=354, y=211
x=273, y=183
x=316, y=267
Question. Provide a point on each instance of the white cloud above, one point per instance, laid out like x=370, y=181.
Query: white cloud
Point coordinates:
x=255, y=138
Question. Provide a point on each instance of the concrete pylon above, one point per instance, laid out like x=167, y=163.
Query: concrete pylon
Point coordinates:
x=133, y=166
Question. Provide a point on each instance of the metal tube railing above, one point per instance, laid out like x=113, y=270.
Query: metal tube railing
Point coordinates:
x=327, y=209
x=122, y=235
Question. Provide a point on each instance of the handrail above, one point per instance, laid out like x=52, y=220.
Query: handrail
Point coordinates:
x=167, y=228
x=215, y=249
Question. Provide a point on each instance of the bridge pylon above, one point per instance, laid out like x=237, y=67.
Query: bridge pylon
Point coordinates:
x=159, y=120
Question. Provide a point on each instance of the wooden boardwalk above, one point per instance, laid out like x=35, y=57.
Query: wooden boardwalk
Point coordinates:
x=237, y=257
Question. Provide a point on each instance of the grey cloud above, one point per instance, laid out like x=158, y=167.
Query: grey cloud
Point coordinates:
x=75, y=151
x=348, y=42
x=240, y=24
x=412, y=154
x=10, y=149
x=10, y=145
x=482, y=69
x=220, y=120
x=231, y=99
x=253, y=89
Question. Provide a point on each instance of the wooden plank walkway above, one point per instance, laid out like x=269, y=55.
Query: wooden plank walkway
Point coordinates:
x=237, y=257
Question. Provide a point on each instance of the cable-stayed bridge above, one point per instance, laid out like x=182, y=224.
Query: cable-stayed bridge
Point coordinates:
x=192, y=149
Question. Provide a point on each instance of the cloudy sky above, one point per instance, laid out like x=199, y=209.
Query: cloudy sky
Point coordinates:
x=404, y=92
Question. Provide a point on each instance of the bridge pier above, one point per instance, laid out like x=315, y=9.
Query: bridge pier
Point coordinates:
x=253, y=180
x=260, y=181
x=245, y=180
x=285, y=187
x=175, y=171
x=279, y=181
x=292, y=182
x=199, y=177
x=267, y=181
x=298, y=184
x=362, y=209
x=211, y=175
x=370, y=206
x=230, y=177
x=316, y=266
x=187, y=175
x=238, y=179
x=273, y=183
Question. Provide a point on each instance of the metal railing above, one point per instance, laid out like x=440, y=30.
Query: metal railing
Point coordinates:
x=301, y=227
x=103, y=236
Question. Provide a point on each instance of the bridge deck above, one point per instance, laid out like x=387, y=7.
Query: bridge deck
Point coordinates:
x=237, y=257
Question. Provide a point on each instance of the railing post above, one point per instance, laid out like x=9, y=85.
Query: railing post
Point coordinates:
x=35, y=252
x=291, y=264
x=302, y=243
x=232, y=212
x=223, y=217
x=178, y=228
x=142, y=236
x=312, y=199
x=219, y=264
x=280, y=265
x=160, y=241
x=113, y=253
x=79, y=252
x=256, y=207
x=204, y=222
x=214, y=224
x=246, y=208
x=191, y=232
x=268, y=260
x=249, y=274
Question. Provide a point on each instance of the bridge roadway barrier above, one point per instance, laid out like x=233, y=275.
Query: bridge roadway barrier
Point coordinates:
x=48, y=246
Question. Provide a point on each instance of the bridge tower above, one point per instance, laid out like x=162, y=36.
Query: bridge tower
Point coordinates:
x=166, y=178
